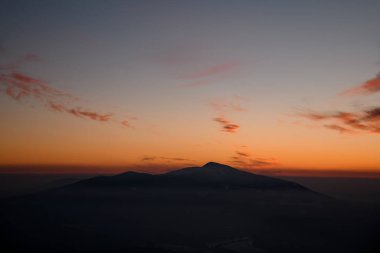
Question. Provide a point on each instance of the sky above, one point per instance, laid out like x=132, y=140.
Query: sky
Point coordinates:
x=267, y=86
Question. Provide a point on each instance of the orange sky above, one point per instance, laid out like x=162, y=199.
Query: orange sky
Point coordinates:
x=258, y=88
x=32, y=136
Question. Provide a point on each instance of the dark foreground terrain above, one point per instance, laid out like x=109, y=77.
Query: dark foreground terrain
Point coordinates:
x=214, y=208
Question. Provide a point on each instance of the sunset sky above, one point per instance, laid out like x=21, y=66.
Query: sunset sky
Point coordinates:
x=152, y=85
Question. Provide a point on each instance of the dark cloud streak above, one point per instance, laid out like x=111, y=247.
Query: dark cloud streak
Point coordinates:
x=166, y=159
x=226, y=106
x=350, y=122
x=227, y=125
x=246, y=160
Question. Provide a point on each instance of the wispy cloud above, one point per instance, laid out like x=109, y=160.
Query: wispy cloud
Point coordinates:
x=242, y=154
x=227, y=126
x=245, y=160
x=148, y=158
x=346, y=122
x=338, y=128
x=365, y=121
x=81, y=113
x=89, y=114
x=20, y=86
x=369, y=87
x=192, y=66
x=213, y=70
x=227, y=106
x=165, y=159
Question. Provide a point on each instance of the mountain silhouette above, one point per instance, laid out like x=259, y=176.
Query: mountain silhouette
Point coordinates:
x=213, y=208
x=211, y=175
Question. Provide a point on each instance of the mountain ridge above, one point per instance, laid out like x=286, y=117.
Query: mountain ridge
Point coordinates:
x=210, y=175
x=194, y=207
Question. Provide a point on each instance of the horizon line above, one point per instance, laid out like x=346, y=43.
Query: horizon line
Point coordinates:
x=96, y=169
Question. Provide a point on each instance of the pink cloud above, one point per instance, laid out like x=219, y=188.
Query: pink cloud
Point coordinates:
x=369, y=87
x=57, y=107
x=20, y=86
x=81, y=113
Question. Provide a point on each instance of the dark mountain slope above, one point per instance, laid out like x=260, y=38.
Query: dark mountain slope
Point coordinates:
x=226, y=175
x=214, y=208
x=211, y=175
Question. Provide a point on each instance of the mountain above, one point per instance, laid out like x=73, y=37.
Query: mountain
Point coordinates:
x=225, y=175
x=211, y=175
x=213, y=208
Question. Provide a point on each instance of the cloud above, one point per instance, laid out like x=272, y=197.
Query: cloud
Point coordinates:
x=188, y=62
x=314, y=116
x=338, y=128
x=167, y=160
x=81, y=113
x=213, y=70
x=78, y=112
x=226, y=106
x=365, y=121
x=227, y=125
x=369, y=87
x=20, y=86
x=373, y=114
x=245, y=160
x=148, y=158
x=242, y=154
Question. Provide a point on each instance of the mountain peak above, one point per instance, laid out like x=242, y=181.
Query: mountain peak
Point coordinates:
x=210, y=169
x=215, y=165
